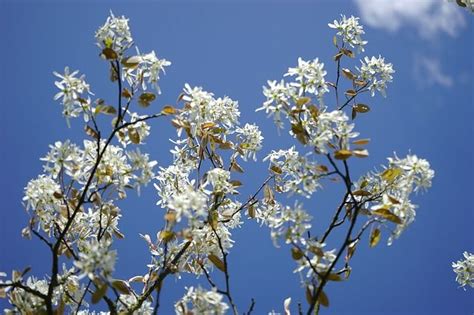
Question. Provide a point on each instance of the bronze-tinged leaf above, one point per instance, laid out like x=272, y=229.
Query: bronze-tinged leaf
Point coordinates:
x=353, y=114
x=61, y=308
x=391, y=173
x=360, y=82
x=323, y=299
x=348, y=74
x=351, y=250
x=236, y=167
x=361, y=141
x=126, y=93
x=276, y=169
x=361, y=108
x=217, y=262
x=91, y=132
x=207, y=125
x=362, y=193
x=296, y=253
x=387, y=214
x=302, y=101
x=460, y=3
x=268, y=194
x=334, y=40
x=133, y=135
x=58, y=195
x=146, y=98
x=170, y=216
x=309, y=295
x=338, y=56
x=348, y=53
x=351, y=92
x=99, y=293
x=251, y=211
x=105, y=109
x=109, y=54
x=394, y=200
x=168, y=110
x=360, y=153
x=322, y=168
x=226, y=145
x=166, y=235
x=137, y=279
x=131, y=62
x=374, y=237
x=342, y=154
x=236, y=183
x=121, y=286
x=334, y=277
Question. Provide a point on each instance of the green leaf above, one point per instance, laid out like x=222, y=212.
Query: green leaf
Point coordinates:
x=121, y=286
x=361, y=108
x=105, y=109
x=374, y=238
x=109, y=54
x=391, y=173
x=168, y=110
x=342, y=154
x=99, y=293
x=296, y=253
x=387, y=214
x=146, y=98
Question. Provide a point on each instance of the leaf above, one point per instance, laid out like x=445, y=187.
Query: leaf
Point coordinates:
x=236, y=183
x=353, y=114
x=391, y=173
x=322, y=168
x=126, y=93
x=131, y=62
x=309, y=295
x=236, y=167
x=348, y=53
x=361, y=108
x=105, y=109
x=146, y=98
x=91, y=132
x=374, y=237
x=348, y=74
x=296, y=253
x=166, y=235
x=342, y=154
x=276, y=169
x=133, y=135
x=360, y=82
x=323, y=299
x=207, y=125
x=351, y=92
x=361, y=153
x=136, y=279
x=338, y=56
x=217, y=262
x=362, y=193
x=302, y=101
x=121, y=286
x=334, y=277
x=251, y=211
x=334, y=40
x=99, y=293
x=361, y=141
x=387, y=214
x=168, y=110
x=109, y=53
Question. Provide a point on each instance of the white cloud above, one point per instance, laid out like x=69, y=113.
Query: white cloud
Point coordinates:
x=429, y=17
x=428, y=71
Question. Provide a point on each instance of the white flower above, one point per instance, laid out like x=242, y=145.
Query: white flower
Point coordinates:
x=62, y=156
x=278, y=99
x=250, y=140
x=200, y=301
x=96, y=259
x=191, y=204
x=464, y=270
x=114, y=34
x=73, y=91
x=350, y=30
x=309, y=77
x=376, y=73
x=219, y=180
x=297, y=173
x=171, y=180
x=141, y=162
x=140, y=130
x=127, y=301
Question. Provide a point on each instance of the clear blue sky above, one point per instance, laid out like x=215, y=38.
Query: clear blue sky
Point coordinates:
x=232, y=48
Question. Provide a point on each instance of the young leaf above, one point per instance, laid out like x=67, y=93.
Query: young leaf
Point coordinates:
x=121, y=286
x=323, y=299
x=386, y=214
x=99, y=293
x=374, y=237
x=168, y=110
x=361, y=108
x=342, y=154
x=217, y=262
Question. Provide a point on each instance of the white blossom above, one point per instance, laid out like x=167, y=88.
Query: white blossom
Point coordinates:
x=96, y=259
x=219, y=179
x=114, y=34
x=250, y=140
x=189, y=203
x=464, y=270
x=376, y=73
x=350, y=30
x=63, y=156
x=278, y=96
x=200, y=301
x=309, y=77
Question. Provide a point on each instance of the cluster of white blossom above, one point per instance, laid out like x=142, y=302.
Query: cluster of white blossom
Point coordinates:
x=309, y=78
x=278, y=97
x=294, y=173
x=143, y=69
x=350, y=30
x=320, y=260
x=136, y=133
x=200, y=301
x=219, y=179
x=464, y=270
x=128, y=301
x=96, y=258
x=250, y=140
x=377, y=73
x=390, y=190
x=114, y=34
x=73, y=92
x=191, y=204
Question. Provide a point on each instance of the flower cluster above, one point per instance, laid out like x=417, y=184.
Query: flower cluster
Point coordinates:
x=73, y=92
x=464, y=270
x=294, y=173
x=376, y=73
x=390, y=190
x=309, y=77
x=96, y=258
x=350, y=30
x=250, y=140
x=114, y=34
x=200, y=301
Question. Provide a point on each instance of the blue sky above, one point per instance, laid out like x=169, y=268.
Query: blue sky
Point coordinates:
x=232, y=48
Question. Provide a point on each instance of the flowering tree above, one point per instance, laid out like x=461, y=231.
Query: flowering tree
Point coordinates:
x=73, y=204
